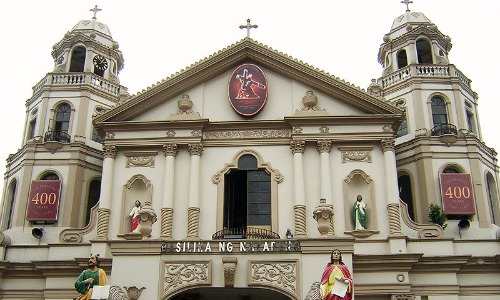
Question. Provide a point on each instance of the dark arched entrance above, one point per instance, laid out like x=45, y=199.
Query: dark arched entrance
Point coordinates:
x=230, y=294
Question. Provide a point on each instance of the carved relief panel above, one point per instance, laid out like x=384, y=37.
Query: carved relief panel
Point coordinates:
x=280, y=275
x=179, y=275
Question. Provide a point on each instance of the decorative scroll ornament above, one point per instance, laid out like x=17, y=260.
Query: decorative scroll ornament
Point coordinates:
x=356, y=156
x=75, y=235
x=140, y=161
x=387, y=145
x=196, y=133
x=248, y=134
x=314, y=292
x=424, y=231
x=181, y=275
x=366, y=178
x=279, y=275
x=324, y=129
x=297, y=130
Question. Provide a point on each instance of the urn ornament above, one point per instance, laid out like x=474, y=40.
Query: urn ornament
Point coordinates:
x=323, y=215
x=147, y=217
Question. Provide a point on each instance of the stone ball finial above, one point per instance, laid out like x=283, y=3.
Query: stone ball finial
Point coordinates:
x=185, y=104
x=310, y=100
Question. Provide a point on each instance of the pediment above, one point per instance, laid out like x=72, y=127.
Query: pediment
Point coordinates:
x=205, y=83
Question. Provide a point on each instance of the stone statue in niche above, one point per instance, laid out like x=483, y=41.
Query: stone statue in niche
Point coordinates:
x=134, y=217
x=336, y=281
x=359, y=214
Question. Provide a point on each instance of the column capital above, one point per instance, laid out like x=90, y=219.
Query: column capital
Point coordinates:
x=387, y=145
x=170, y=149
x=109, y=151
x=324, y=146
x=297, y=146
x=195, y=149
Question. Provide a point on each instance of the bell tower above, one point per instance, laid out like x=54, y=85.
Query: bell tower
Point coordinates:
x=59, y=140
x=441, y=132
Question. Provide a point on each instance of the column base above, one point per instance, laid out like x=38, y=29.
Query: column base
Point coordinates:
x=167, y=215
x=300, y=221
x=103, y=223
x=193, y=223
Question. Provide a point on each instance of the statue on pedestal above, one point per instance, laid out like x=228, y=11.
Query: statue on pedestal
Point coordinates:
x=336, y=281
x=134, y=217
x=93, y=276
x=359, y=214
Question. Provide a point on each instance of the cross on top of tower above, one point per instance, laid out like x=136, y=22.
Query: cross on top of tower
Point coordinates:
x=95, y=10
x=407, y=3
x=248, y=26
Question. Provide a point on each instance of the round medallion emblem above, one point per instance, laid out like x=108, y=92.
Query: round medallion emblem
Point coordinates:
x=247, y=90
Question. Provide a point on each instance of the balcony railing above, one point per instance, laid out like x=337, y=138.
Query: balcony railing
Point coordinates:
x=57, y=136
x=444, y=129
x=78, y=79
x=424, y=71
x=245, y=233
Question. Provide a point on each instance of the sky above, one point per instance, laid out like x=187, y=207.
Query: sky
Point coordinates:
x=158, y=38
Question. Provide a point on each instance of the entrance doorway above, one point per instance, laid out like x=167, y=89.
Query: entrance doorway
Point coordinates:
x=247, y=197
x=230, y=294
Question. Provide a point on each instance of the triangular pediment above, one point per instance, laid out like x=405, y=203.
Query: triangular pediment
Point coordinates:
x=351, y=100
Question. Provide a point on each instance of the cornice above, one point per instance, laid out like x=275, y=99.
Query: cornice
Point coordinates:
x=246, y=50
x=151, y=125
x=54, y=268
x=396, y=262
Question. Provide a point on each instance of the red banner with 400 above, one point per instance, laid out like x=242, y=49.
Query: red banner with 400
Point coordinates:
x=43, y=202
x=457, y=194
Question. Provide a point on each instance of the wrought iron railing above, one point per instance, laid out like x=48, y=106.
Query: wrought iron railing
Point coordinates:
x=444, y=129
x=245, y=233
x=57, y=136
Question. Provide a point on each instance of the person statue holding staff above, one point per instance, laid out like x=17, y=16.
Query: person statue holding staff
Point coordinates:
x=336, y=282
x=359, y=214
x=89, y=278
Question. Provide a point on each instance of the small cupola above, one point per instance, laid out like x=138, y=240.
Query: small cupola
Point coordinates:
x=413, y=39
x=89, y=48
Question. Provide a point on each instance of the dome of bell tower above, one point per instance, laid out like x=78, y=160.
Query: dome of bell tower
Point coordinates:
x=92, y=25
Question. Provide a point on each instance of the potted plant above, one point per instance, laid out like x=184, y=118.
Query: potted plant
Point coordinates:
x=437, y=216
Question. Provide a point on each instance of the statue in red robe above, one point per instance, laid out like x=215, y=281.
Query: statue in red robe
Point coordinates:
x=336, y=278
x=134, y=216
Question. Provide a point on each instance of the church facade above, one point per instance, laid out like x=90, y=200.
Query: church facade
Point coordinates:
x=237, y=177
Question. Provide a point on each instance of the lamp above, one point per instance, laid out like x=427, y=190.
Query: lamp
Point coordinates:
x=289, y=234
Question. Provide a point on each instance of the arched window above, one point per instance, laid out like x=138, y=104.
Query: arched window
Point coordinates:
x=405, y=193
x=11, y=202
x=78, y=59
x=62, y=116
x=452, y=169
x=49, y=176
x=93, y=198
x=402, y=59
x=493, y=197
x=247, y=197
x=424, y=51
x=439, y=113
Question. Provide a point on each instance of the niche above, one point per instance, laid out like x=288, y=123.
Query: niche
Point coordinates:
x=137, y=188
x=359, y=183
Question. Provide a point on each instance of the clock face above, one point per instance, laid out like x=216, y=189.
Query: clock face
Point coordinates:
x=100, y=62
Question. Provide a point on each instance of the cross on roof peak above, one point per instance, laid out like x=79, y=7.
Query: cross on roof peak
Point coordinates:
x=407, y=3
x=248, y=26
x=95, y=10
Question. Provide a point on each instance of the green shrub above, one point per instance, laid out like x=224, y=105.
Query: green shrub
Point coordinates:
x=436, y=215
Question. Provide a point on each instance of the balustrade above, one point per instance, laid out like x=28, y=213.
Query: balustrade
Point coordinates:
x=424, y=71
x=65, y=79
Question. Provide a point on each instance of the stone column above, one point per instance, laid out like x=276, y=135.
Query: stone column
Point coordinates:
x=104, y=210
x=391, y=180
x=194, y=191
x=299, y=208
x=167, y=209
x=324, y=148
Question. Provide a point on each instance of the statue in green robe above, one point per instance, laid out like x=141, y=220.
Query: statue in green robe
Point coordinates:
x=89, y=278
x=359, y=214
